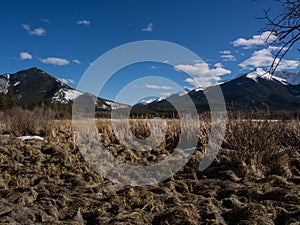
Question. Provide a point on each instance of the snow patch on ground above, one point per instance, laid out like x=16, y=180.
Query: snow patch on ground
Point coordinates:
x=24, y=138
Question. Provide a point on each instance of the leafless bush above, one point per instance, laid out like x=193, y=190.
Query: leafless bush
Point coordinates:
x=18, y=121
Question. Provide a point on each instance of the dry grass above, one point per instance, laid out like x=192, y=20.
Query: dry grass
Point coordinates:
x=18, y=121
x=253, y=180
x=263, y=146
x=256, y=147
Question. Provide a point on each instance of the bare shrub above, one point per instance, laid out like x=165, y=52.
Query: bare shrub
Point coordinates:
x=29, y=122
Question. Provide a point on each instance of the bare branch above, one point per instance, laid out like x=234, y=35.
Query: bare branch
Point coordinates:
x=286, y=26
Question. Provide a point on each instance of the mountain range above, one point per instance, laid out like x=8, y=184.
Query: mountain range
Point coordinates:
x=257, y=89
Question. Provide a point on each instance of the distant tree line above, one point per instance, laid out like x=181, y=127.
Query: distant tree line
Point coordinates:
x=7, y=101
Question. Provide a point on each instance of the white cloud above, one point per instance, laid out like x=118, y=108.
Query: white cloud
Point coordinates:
x=26, y=27
x=203, y=76
x=55, y=61
x=264, y=57
x=45, y=20
x=266, y=37
x=67, y=81
x=165, y=94
x=154, y=67
x=154, y=86
x=227, y=56
x=226, y=52
x=83, y=22
x=149, y=28
x=25, y=55
x=218, y=65
x=40, y=31
x=76, y=61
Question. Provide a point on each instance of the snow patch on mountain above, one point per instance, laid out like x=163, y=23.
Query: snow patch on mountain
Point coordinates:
x=182, y=93
x=17, y=83
x=103, y=106
x=72, y=94
x=260, y=73
x=115, y=105
x=4, y=83
x=162, y=98
x=148, y=101
x=289, y=77
x=65, y=96
x=199, y=89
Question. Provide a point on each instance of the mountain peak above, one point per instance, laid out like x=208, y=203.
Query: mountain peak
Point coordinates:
x=32, y=69
x=260, y=73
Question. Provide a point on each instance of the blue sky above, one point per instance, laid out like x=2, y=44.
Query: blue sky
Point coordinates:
x=65, y=37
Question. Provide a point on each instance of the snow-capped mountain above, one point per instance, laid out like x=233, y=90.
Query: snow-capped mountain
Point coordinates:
x=147, y=101
x=256, y=89
x=289, y=77
x=260, y=73
x=34, y=87
x=285, y=77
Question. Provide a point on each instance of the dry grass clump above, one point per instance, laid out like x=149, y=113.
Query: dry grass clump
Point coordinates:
x=264, y=147
x=133, y=151
x=18, y=121
x=140, y=128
